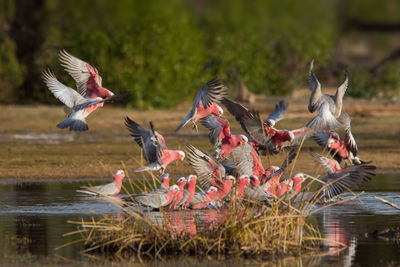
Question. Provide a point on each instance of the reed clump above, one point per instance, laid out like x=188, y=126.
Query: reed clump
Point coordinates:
x=241, y=230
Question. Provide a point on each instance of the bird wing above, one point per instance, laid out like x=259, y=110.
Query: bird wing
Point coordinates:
x=315, y=87
x=343, y=87
x=237, y=110
x=206, y=167
x=345, y=180
x=77, y=69
x=279, y=112
x=243, y=160
x=326, y=162
x=215, y=127
x=198, y=198
x=349, y=140
x=324, y=121
x=154, y=200
x=321, y=138
x=299, y=134
x=147, y=140
x=230, y=167
x=212, y=92
x=65, y=94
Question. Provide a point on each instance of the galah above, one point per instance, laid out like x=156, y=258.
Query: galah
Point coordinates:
x=247, y=161
x=201, y=200
x=79, y=106
x=181, y=182
x=242, y=182
x=110, y=189
x=224, y=187
x=153, y=146
x=205, y=103
x=330, y=165
x=329, y=106
x=343, y=180
x=220, y=135
x=157, y=199
x=87, y=78
x=345, y=149
x=189, y=191
x=164, y=185
x=264, y=136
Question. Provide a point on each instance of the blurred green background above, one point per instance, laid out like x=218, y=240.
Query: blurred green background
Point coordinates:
x=163, y=51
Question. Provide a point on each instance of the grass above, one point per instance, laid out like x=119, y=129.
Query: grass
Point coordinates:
x=245, y=231
x=107, y=146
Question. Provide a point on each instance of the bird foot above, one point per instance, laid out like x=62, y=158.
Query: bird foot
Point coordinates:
x=194, y=126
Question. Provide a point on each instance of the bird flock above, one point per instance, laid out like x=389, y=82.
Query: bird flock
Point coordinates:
x=234, y=171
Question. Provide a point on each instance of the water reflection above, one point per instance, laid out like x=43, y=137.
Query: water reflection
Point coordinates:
x=33, y=219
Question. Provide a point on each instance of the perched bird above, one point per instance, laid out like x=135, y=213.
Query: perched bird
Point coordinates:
x=242, y=182
x=292, y=187
x=110, y=189
x=80, y=107
x=181, y=182
x=264, y=136
x=201, y=200
x=188, y=193
x=153, y=146
x=224, y=187
x=87, y=78
x=329, y=106
x=220, y=135
x=335, y=183
x=157, y=199
x=205, y=103
x=341, y=149
x=164, y=186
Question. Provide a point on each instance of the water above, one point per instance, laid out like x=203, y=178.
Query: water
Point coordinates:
x=33, y=219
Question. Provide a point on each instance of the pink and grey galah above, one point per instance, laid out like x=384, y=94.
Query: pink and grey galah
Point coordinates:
x=189, y=191
x=153, y=146
x=201, y=200
x=157, y=199
x=345, y=149
x=79, y=106
x=254, y=192
x=242, y=182
x=221, y=137
x=181, y=182
x=110, y=189
x=164, y=185
x=205, y=103
x=329, y=106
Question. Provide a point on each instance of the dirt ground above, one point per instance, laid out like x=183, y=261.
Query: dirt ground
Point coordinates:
x=31, y=147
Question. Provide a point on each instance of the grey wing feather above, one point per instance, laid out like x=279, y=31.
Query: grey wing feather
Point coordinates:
x=343, y=87
x=324, y=121
x=77, y=69
x=212, y=92
x=321, y=138
x=243, y=160
x=315, y=87
x=255, y=127
x=291, y=156
x=230, y=167
x=348, y=138
x=154, y=200
x=198, y=198
x=279, y=112
x=298, y=138
x=185, y=196
x=200, y=163
x=237, y=110
x=146, y=139
x=215, y=127
x=345, y=180
x=324, y=161
x=65, y=94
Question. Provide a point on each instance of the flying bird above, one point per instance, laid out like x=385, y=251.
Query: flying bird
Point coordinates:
x=345, y=149
x=329, y=106
x=110, y=189
x=220, y=135
x=153, y=147
x=205, y=103
x=79, y=107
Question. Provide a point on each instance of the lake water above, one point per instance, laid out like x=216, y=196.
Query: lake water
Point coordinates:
x=34, y=215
